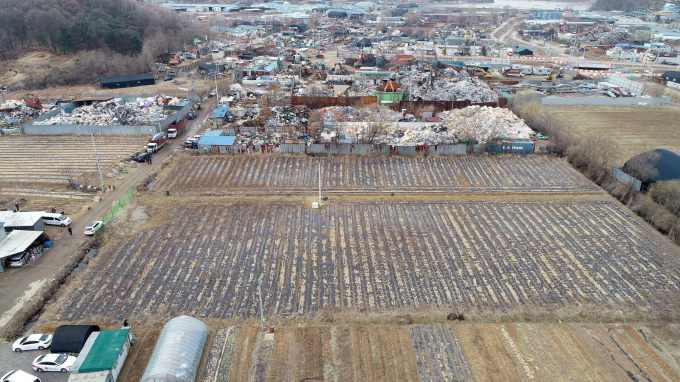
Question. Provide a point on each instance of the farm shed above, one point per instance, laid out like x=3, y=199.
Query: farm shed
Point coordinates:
x=71, y=338
x=128, y=81
x=653, y=166
x=216, y=144
x=178, y=351
x=15, y=242
x=671, y=76
x=102, y=356
x=218, y=116
x=24, y=221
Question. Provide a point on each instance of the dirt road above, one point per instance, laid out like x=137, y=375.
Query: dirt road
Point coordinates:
x=19, y=286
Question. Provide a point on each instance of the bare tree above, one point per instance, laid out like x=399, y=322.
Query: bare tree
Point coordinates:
x=654, y=90
x=372, y=131
x=595, y=156
x=70, y=176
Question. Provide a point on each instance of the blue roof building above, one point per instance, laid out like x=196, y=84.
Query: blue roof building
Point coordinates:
x=219, y=112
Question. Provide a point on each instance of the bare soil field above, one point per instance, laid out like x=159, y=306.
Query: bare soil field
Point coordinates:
x=652, y=127
x=377, y=257
x=448, y=352
x=292, y=174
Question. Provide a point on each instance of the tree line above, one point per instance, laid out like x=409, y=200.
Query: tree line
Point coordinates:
x=621, y=5
x=109, y=37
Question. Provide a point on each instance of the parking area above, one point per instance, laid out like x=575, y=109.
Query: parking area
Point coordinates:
x=10, y=360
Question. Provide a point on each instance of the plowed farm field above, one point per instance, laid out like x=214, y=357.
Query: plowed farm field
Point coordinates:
x=444, y=353
x=215, y=174
x=44, y=159
x=376, y=257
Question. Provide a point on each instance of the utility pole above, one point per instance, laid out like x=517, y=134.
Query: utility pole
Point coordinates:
x=259, y=291
x=320, y=204
x=101, y=179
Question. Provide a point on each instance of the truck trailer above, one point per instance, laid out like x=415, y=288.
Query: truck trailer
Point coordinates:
x=157, y=142
x=176, y=129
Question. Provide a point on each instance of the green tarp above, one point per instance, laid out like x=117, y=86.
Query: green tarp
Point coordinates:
x=104, y=351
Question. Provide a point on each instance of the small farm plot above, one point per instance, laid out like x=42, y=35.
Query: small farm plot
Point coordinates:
x=522, y=352
x=475, y=256
x=48, y=159
x=210, y=174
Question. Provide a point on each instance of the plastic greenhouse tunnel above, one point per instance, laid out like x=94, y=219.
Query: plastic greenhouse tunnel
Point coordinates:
x=178, y=351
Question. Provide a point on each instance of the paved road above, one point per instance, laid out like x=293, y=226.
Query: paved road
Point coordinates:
x=19, y=285
x=10, y=360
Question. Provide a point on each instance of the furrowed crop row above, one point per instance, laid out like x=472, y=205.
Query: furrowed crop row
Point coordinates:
x=300, y=174
x=378, y=257
x=438, y=354
x=37, y=159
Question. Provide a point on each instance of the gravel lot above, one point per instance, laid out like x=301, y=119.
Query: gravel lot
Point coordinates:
x=10, y=360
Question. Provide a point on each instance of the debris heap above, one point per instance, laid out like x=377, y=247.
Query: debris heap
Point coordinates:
x=418, y=84
x=313, y=91
x=283, y=115
x=351, y=114
x=144, y=111
x=614, y=36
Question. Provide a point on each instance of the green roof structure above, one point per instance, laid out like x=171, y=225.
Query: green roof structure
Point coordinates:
x=101, y=351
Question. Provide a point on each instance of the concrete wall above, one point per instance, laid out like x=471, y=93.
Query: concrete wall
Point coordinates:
x=31, y=129
x=602, y=101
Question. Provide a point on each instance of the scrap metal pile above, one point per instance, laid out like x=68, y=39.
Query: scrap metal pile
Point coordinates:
x=282, y=116
x=351, y=114
x=614, y=36
x=144, y=111
x=313, y=91
x=472, y=123
x=415, y=83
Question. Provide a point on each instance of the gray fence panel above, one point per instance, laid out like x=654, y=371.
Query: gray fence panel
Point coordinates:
x=626, y=179
x=230, y=132
x=458, y=149
x=86, y=130
x=292, y=148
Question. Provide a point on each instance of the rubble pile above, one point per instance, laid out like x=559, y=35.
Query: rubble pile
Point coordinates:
x=144, y=111
x=313, y=91
x=351, y=114
x=255, y=138
x=473, y=123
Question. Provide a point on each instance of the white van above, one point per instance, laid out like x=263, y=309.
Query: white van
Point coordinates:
x=56, y=219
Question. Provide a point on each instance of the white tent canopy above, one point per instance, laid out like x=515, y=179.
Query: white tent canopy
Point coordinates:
x=17, y=241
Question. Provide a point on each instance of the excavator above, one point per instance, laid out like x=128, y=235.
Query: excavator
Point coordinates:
x=477, y=71
x=553, y=76
x=162, y=101
x=324, y=111
x=175, y=59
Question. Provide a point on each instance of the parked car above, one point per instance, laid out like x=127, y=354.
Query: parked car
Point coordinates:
x=259, y=83
x=230, y=118
x=93, y=227
x=32, y=342
x=53, y=362
x=191, y=115
x=213, y=93
x=56, y=219
x=319, y=56
x=142, y=157
x=19, y=376
x=168, y=78
x=18, y=260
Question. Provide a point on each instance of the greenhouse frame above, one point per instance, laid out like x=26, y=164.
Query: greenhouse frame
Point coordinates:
x=178, y=352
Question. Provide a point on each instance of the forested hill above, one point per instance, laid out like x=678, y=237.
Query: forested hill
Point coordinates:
x=70, y=26
x=621, y=5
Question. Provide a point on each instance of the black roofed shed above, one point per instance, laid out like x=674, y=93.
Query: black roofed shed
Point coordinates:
x=128, y=81
x=71, y=338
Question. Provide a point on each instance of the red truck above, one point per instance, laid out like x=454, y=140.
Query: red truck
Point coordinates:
x=157, y=142
x=175, y=129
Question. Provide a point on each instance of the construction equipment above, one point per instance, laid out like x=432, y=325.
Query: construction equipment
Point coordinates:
x=324, y=111
x=553, y=76
x=477, y=71
x=175, y=59
x=393, y=67
x=162, y=101
x=348, y=39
